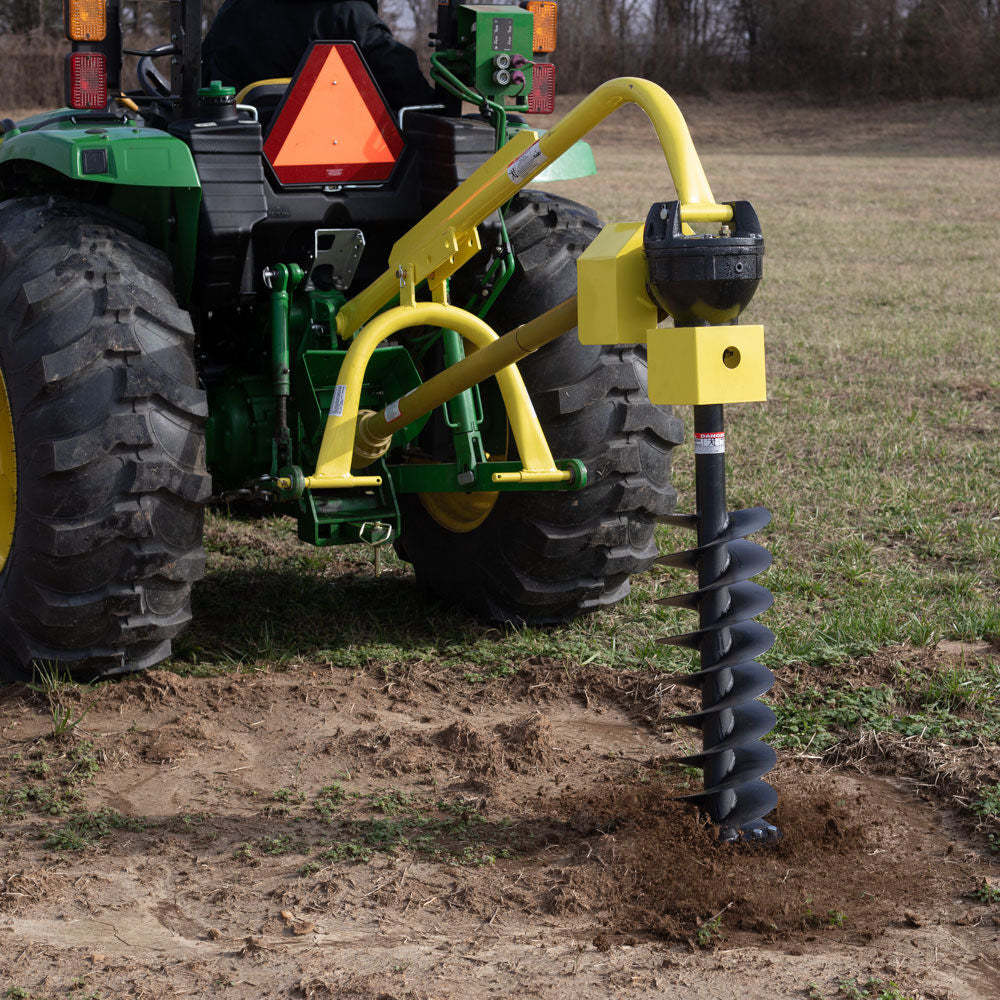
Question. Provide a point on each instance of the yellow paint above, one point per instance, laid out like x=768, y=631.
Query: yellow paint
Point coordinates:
x=478, y=365
x=707, y=364
x=611, y=281
x=693, y=190
x=407, y=286
x=277, y=81
x=333, y=468
x=532, y=476
x=431, y=243
x=465, y=249
x=8, y=475
x=688, y=365
x=459, y=512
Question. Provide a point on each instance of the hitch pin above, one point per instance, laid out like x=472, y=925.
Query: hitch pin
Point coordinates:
x=376, y=534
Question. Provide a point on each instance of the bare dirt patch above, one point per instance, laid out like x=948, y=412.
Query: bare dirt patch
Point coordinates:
x=328, y=833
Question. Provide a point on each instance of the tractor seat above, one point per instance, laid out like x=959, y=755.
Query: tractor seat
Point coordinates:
x=265, y=96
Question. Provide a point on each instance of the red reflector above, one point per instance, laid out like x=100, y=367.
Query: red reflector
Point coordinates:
x=87, y=80
x=542, y=99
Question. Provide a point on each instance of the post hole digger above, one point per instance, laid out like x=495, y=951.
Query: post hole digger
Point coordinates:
x=366, y=318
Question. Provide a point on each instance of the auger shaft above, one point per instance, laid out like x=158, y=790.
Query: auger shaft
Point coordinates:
x=730, y=680
x=713, y=517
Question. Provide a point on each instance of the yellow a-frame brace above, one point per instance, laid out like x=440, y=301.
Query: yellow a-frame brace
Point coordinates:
x=446, y=239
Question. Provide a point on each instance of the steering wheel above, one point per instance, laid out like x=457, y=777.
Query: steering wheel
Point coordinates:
x=151, y=79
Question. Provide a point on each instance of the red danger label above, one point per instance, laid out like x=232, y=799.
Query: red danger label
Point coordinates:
x=713, y=443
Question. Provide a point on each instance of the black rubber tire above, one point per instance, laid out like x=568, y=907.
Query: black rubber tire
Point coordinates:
x=108, y=416
x=542, y=558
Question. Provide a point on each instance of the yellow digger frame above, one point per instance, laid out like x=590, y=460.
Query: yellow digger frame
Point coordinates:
x=447, y=238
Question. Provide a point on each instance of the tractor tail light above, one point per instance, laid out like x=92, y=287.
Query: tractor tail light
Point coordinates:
x=87, y=80
x=542, y=99
x=544, y=13
x=86, y=20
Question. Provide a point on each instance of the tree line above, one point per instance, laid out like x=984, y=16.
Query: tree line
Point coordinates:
x=828, y=49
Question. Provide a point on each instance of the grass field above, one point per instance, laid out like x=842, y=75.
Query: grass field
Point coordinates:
x=877, y=450
x=877, y=453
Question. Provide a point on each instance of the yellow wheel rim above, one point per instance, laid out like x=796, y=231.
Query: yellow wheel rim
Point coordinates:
x=459, y=512
x=8, y=475
x=462, y=512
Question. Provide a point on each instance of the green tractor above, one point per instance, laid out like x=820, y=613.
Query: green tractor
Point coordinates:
x=362, y=316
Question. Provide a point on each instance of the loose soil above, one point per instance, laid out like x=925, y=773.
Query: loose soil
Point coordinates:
x=369, y=834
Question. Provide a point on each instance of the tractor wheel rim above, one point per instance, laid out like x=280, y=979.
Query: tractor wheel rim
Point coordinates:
x=8, y=475
x=459, y=512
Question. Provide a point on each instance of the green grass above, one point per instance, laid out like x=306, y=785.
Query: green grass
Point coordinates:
x=710, y=932
x=55, y=685
x=872, y=989
x=46, y=779
x=46, y=785
x=987, y=893
x=987, y=803
x=959, y=705
x=335, y=824
x=877, y=451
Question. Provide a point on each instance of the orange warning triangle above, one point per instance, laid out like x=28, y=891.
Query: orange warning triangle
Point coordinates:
x=333, y=126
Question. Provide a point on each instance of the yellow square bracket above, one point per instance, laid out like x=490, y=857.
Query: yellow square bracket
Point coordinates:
x=707, y=364
x=440, y=255
x=468, y=245
x=611, y=287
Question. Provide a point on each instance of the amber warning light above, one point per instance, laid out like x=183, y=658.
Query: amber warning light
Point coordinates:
x=86, y=20
x=87, y=80
x=544, y=13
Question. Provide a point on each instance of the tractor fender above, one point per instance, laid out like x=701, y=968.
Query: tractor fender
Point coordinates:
x=153, y=175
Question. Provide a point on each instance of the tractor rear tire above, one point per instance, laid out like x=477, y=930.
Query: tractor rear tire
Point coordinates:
x=102, y=456
x=546, y=557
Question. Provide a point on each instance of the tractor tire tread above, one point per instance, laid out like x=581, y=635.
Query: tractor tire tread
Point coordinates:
x=98, y=362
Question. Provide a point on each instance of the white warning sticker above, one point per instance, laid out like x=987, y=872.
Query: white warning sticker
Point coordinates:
x=394, y=410
x=713, y=443
x=531, y=158
x=337, y=405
